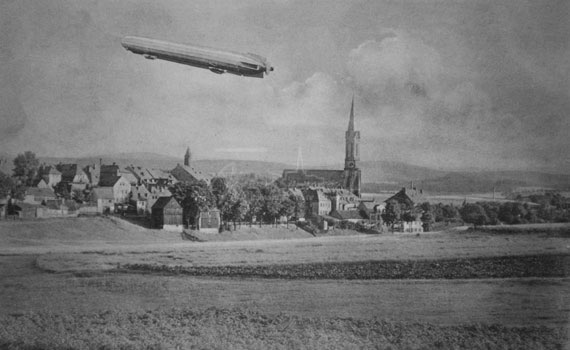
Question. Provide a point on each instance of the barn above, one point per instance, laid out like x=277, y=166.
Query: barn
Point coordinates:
x=167, y=214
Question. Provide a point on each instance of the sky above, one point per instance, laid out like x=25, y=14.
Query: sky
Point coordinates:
x=448, y=84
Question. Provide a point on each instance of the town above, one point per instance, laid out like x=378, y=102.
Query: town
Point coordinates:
x=317, y=200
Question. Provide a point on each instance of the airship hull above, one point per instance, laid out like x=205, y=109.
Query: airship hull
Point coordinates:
x=217, y=61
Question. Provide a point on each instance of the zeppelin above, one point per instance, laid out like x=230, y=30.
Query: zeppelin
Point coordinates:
x=216, y=60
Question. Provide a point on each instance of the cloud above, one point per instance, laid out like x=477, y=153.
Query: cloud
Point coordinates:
x=395, y=69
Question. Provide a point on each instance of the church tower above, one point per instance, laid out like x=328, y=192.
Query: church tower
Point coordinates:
x=187, y=157
x=352, y=139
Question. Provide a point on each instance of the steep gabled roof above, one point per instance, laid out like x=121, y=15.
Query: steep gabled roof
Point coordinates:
x=162, y=202
x=108, y=181
x=40, y=192
x=401, y=197
x=185, y=173
x=68, y=171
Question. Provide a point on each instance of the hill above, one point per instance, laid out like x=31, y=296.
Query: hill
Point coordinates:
x=376, y=175
x=158, y=161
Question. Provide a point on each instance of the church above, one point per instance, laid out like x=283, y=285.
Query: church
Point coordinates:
x=348, y=179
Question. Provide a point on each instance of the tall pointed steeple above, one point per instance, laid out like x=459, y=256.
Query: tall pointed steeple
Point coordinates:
x=351, y=171
x=352, y=139
x=351, y=120
x=187, y=157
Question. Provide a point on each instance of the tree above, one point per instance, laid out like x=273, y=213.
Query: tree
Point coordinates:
x=408, y=216
x=193, y=197
x=474, y=214
x=219, y=190
x=449, y=213
x=427, y=220
x=6, y=185
x=26, y=167
x=62, y=190
x=238, y=206
x=392, y=213
x=287, y=207
x=78, y=195
x=272, y=200
x=299, y=205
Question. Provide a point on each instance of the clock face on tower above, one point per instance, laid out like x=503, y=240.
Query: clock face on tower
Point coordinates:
x=350, y=164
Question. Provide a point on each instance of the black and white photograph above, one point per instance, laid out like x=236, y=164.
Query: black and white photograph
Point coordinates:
x=284, y=174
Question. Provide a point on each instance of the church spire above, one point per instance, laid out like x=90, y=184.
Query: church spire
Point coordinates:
x=351, y=120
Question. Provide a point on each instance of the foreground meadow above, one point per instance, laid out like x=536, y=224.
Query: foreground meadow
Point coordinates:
x=103, y=283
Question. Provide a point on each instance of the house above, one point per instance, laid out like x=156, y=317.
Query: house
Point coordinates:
x=121, y=187
x=129, y=176
x=342, y=199
x=409, y=226
x=104, y=198
x=72, y=173
x=167, y=214
x=108, y=171
x=185, y=173
x=34, y=195
x=139, y=197
x=161, y=178
x=154, y=177
x=93, y=173
x=407, y=197
x=50, y=175
x=372, y=210
x=318, y=203
x=42, y=184
x=155, y=192
x=25, y=210
x=209, y=221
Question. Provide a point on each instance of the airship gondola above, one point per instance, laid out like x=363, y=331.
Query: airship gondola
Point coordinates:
x=216, y=60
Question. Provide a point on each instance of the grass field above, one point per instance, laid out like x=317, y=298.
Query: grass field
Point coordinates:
x=60, y=288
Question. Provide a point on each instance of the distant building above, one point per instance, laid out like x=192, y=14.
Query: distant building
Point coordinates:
x=349, y=178
x=342, y=199
x=104, y=198
x=372, y=210
x=407, y=197
x=93, y=173
x=184, y=173
x=25, y=210
x=318, y=204
x=151, y=177
x=71, y=173
x=155, y=193
x=120, y=186
x=50, y=175
x=34, y=195
x=42, y=184
x=108, y=171
x=139, y=197
x=167, y=214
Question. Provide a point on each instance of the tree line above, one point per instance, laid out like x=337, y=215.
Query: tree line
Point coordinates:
x=246, y=198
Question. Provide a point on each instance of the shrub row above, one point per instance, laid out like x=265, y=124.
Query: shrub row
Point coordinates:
x=461, y=268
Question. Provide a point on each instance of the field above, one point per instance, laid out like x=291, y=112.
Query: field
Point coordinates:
x=93, y=283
